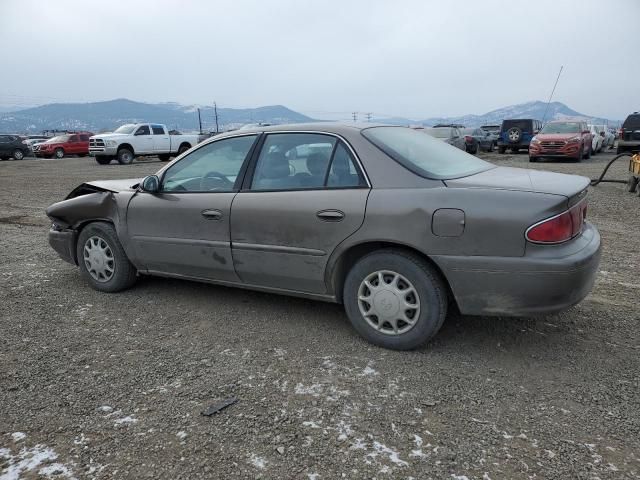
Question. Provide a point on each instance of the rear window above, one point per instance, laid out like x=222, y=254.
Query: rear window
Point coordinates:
x=632, y=121
x=423, y=154
x=524, y=125
x=439, y=132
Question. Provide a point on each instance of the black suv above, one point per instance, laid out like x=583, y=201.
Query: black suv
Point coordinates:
x=629, y=140
x=517, y=133
x=13, y=146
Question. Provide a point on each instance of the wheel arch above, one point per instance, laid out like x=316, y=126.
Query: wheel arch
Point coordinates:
x=348, y=258
x=128, y=146
x=185, y=144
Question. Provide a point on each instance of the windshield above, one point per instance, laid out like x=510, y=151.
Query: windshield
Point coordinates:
x=125, y=129
x=561, y=127
x=60, y=139
x=438, y=132
x=423, y=154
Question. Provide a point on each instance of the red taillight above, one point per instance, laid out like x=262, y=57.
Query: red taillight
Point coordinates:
x=560, y=228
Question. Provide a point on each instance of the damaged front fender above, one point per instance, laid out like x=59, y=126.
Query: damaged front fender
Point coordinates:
x=75, y=211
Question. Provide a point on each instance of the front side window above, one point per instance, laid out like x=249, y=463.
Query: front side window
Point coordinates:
x=143, y=130
x=157, y=130
x=211, y=168
x=73, y=138
x=423, y=154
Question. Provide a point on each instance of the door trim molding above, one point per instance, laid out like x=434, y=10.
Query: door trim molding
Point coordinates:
x=181, y=241
x=277, y=249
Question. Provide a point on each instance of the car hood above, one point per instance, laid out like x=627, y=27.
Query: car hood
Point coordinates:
x=115, y=186
x=106, y=136
x=523, y=180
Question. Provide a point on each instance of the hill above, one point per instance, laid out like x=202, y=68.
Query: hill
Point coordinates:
x=101, y=116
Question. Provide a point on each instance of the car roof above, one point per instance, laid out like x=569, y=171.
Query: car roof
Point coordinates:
x=328, y=127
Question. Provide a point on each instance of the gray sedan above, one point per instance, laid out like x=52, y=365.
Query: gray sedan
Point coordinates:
x=394, y=224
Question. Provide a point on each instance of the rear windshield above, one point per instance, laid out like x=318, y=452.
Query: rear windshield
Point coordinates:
x=423, y=154
x=632, y=121
x=524, y=125
x=564, y=127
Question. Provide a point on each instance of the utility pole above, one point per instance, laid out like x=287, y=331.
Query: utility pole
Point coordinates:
x=355, y=116
x=215, y=110
x=200, y=121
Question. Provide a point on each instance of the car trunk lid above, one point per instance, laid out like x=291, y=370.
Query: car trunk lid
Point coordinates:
x=573, y=187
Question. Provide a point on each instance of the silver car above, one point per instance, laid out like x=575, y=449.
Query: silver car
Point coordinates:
x=394, y=224
x=452, y=135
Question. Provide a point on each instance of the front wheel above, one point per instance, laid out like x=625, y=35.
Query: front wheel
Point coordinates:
x=18, y=154
x=102, y=260
x=125, y=156
x=502, y=149
x=533, y=159
x=632, y=182
x=587, y=155
x=395, y=299
x=59, y=153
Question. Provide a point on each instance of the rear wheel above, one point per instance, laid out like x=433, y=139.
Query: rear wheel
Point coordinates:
x=490, y=148
x=125, y=156
x=18, y=154
x=102, y=260
x=533, y=159
x=395, y=299
x=502, y=149
x=183, y=148
x=59, y=153
x=103, y=160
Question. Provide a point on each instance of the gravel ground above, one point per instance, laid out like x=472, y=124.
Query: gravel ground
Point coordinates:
x=96, y=385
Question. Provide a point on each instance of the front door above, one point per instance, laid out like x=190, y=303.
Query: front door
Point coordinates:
x=143, y=140
x=184, y=228
x=306, y=196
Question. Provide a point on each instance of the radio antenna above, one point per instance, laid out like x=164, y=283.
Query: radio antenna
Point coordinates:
x=544, y=117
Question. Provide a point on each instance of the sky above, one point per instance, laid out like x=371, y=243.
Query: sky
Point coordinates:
x=328, y=58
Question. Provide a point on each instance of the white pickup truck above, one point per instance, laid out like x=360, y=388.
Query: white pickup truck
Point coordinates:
x=133, y=140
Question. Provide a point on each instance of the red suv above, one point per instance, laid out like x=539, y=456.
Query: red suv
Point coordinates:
x=563, y=139
x=70, y=144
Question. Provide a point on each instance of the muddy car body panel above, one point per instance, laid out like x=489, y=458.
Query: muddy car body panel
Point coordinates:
x=470, y=225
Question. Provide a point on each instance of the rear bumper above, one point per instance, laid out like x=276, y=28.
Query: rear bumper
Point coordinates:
x=547, y=279
x=63, y=242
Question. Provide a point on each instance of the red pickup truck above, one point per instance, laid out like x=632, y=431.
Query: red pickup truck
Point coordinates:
x=565, y=139
x=70, y=144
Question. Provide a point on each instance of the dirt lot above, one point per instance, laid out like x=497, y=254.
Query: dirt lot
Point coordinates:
x=95, y=385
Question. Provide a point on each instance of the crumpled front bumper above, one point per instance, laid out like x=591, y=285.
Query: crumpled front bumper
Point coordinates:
x=64, y=242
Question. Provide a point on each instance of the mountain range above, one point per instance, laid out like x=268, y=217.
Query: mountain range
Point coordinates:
x=536, y=109
x=107, y=115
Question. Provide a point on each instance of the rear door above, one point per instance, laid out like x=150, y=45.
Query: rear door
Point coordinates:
x=184, y=228
x=304, y=196
x=161, y=141
x=143, y=140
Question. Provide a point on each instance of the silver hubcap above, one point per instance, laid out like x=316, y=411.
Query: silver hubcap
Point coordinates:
x=126, y=157
x=18, y=155
x=98, y=258
x=389, y=302
x=59, y=153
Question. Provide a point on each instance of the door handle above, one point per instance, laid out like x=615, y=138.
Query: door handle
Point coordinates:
x=330, y=215
x=211, y=214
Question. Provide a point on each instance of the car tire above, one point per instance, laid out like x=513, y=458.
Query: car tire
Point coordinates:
x=164, y=157
x=58, y=153
x=501, y=150
x=182, y=149
x=17, y=154
x=533, y=159
x=515, y=149
x=474, y=150
x=638, y=189
x=408, y=273
x=587, y=154
x=632, y=183
x=102, y=160
x=125, y=156
x=102, y=260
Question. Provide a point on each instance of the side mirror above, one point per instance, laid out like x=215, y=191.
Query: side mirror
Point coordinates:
x=535, y=132
x=150, y=184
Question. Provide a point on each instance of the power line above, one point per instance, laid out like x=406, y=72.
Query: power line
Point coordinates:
x=550, y=96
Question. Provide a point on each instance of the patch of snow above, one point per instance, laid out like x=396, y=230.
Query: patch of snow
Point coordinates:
x=380, y=448
x=105, y=408
x=127, y=419
x=344, y=430
x=313, y=476
x=32, y=459
x=257, y=461
x=17, y=436
x=459, y=477
x=314, y=390
x=311, y=424
x=369, y=371
x=181, y=435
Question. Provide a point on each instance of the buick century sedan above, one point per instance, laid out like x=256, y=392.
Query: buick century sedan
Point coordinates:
x=392, y=223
